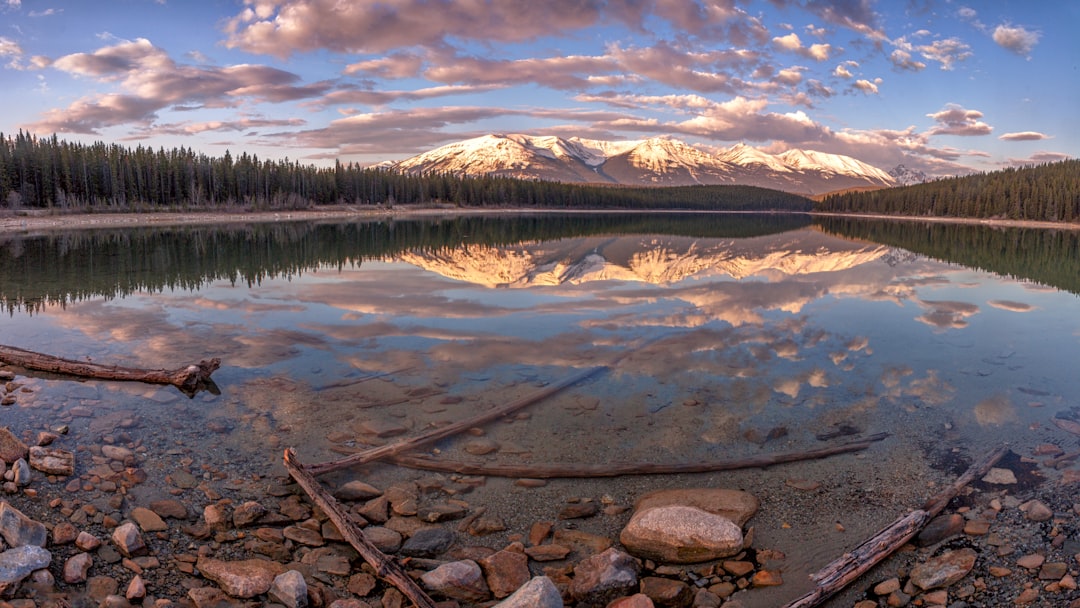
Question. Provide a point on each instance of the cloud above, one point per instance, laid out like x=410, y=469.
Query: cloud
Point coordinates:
x=946, y=51
x=395, y=65
x=1016, y=39
x=49, y=12
x=1024, y=136
x=380, y=98
x=792, y=43
x=192, y=128
x=902, y=60
x=842, y=71
x=955, y=120
x=1039, y=158
x=151, y=81
x=9, y=48
x=866, y=86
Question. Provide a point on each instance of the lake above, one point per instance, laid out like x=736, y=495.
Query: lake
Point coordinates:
x=722, y=336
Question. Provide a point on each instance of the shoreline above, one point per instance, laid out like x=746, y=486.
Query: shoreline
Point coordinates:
x=27, y=224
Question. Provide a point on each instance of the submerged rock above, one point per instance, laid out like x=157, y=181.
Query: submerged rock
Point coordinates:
x=680, y=534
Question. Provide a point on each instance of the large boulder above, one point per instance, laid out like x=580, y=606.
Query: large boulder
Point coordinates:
x=736, y=505
x=681, y=535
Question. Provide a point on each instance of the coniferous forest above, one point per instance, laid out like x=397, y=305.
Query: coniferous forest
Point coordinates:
x=1046, y=193
x=60, y=176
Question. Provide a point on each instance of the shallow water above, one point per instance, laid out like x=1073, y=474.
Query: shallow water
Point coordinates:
x=723, y=337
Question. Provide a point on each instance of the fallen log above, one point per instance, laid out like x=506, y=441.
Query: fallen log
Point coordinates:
x=385, y=568
x=189, y=379
x=412, y=443
x=843, y=571
x=618, y=469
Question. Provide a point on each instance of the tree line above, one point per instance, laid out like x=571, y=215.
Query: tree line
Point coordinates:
x=57, y=175
x=1047, y=193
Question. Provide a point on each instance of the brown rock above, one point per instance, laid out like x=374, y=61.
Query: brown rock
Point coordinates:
x=244, y=578
x=11, y=447
x=304, y=536
x=462, y=580
x=939, y=529
x=638, y=600
x=357, y=490
x=547, y=553
x=681, y=534
x=1053, y=571
x=52, y=461
x=767, y=578
x=505, y=571
x=248, y=513
x=943, y=570
x=148, y=520
x=583, y=542
x=64, y=533
x=539, y=532
x=1036, y=510
x=77, y=567
x=128, y=540
x=666, y=592
x=1031, y=561
x=361, y=584
x=579, y=510
x=605, y=576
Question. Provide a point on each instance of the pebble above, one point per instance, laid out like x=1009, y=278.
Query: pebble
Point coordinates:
x=147, y=520
x=605, y=576
x=357, y=490
x=136, y=589
x=77, y=567
x=128, y=540
x=1000, y=476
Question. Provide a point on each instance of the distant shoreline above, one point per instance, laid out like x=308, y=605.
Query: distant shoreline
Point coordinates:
x=41, y=222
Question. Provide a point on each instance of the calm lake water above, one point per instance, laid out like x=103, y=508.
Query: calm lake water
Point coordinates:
x=726, y=335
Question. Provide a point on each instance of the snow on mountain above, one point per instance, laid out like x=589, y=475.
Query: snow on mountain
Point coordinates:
x=659, y=161
x=907, y=177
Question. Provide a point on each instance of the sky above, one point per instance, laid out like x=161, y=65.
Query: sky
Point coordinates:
x=946, y=87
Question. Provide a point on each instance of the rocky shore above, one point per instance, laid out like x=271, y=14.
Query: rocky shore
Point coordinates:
x=95, y=521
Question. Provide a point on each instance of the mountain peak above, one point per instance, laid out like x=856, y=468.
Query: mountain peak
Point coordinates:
x=660, y=160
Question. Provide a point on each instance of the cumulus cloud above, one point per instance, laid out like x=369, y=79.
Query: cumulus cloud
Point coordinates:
x=1039, y=158
x=842, y=70
x=1016, y=39
x=151, y=81
x=946, y=51
x=792, y=42
x=956, y=120
x=1024, y=136
x=866, y=86
x=902, y=60
x=379, y=98
x=9, y=48
x=395, y=65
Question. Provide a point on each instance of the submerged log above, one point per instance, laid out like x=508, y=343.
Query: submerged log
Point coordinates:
x=618, y=469
x=846, y=569
x=189, y=379
x=385, y=568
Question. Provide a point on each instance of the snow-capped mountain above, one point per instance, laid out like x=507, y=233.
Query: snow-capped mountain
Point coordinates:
x=905, y=176
x=658, y=161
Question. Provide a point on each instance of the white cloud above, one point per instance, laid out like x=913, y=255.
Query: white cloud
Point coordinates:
x=1024, y=136
x=841, y=71
x=1016, y=39
x=866, y=86
x=957, y=120
x=790, y=42
x=902, y=60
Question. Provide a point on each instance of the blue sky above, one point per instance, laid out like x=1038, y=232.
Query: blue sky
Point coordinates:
x=946, y=87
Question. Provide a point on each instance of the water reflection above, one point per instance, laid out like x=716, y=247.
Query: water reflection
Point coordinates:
x=740, y=335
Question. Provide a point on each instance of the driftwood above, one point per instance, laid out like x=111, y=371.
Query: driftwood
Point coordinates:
x=617, y=469
x=412, y=443
x=846, y=569
x=189, y=379
x=385, y=568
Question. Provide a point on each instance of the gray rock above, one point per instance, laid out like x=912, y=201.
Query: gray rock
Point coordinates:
x=428, y=542
x=605, y=576
x=17, y=564
x=539, y=592
x=461, y=580
x=290, y=589
x=680, y=534
x=23, y=475
x=19, y=530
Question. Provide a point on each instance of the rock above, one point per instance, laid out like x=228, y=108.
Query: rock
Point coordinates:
x=441, y=512
x=505, y=571
x=666, y=592
x=1053, y=571
x=428, y=542
x=19, y=530
x=638, y=600
x=385, y=539
x=136, y=589
x=547, y=553
x=486, y=524
x=128, y=540
x=767, y=578
x=52, y=461
x=212, y=597
x=579, y=510
x=376, y=510
x=349, y=603
x=605, y=576
x=77, y=567
x=1031, y=561
x=147, y=520
x=939, y=529
x=481, y=446
x=22, y=477
x=87, y=541
x=11, y=447
x=736, y=505
x=248, y=513
x=64, y=533
x=290, y=589
x=461, y=580
x=357, y=490
x=361, y=584
x=943, y=570
x=999, y=476
x=100, y=587
x=216, y=517
x=1036, y=510
x=17, y=564
x=116, y=452
x=681, y=534
x=169, y=508
x=539, y=592
x=304, y=536
x=583, y=542
x=244, y=578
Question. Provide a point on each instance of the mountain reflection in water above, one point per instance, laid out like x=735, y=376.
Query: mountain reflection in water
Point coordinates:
x=745, y=334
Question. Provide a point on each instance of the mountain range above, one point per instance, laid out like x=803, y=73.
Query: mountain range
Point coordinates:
x=658, y=161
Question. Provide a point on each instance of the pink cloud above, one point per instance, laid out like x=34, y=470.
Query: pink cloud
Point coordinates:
x=956, y=120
